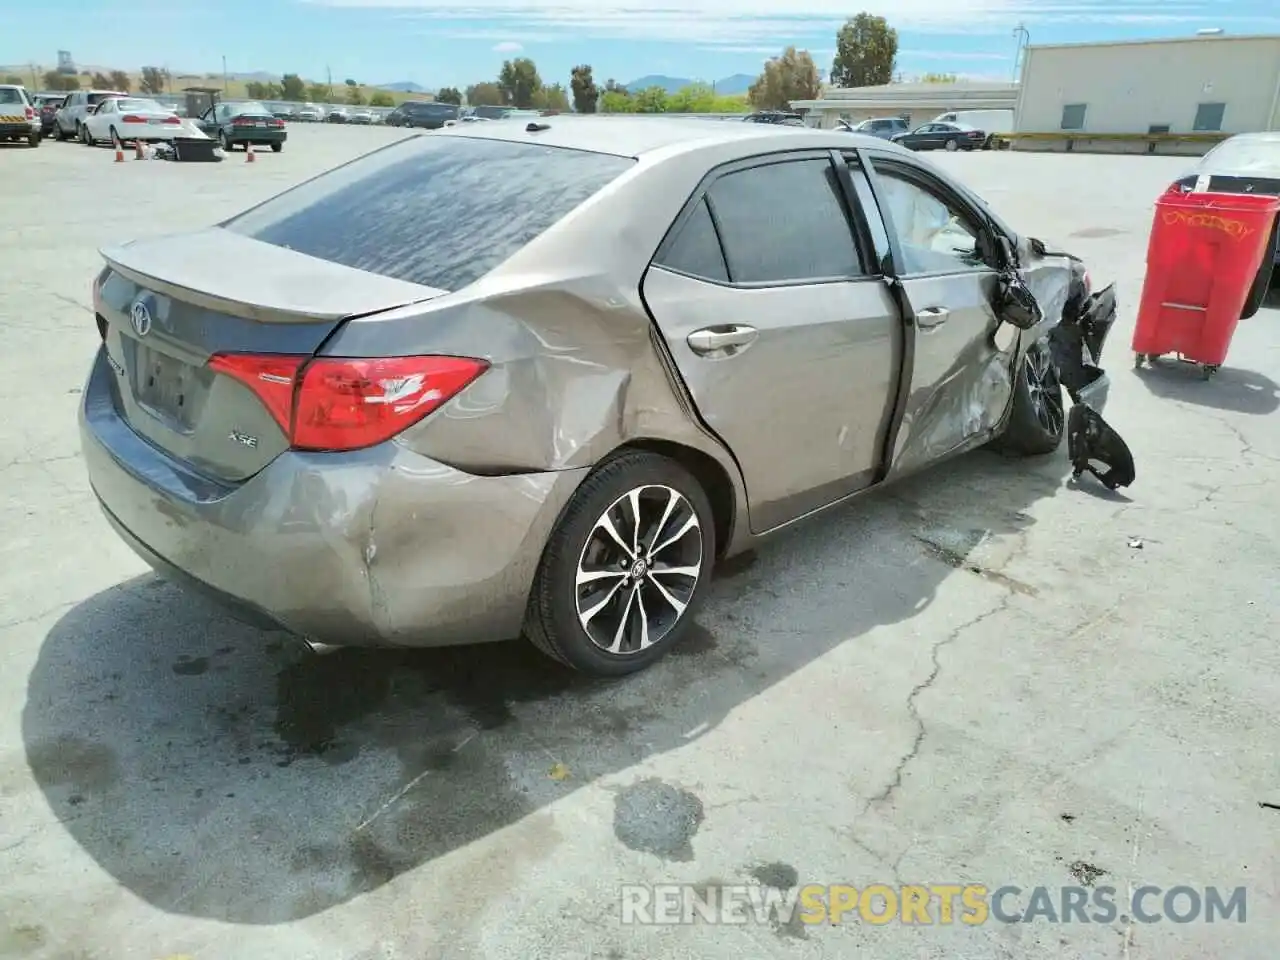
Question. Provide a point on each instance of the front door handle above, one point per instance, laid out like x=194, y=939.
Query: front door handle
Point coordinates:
x=931, y=317
x=711, y=339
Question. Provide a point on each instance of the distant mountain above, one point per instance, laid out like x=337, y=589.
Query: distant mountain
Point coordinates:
x=729, y=86
x=403, y=86
x=732, y=86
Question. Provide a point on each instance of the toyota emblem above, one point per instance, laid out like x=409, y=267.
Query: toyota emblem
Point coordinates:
x=141, y=318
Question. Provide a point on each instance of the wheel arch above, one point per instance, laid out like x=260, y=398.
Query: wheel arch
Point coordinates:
x=709, y=472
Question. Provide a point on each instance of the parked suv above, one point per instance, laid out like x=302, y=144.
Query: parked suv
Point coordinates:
x=18, y=118
x=422, y=113
x=79, y=104
x=883, y=127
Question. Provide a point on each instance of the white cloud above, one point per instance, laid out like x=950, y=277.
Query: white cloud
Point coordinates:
x=507, y=46
x=752, y=25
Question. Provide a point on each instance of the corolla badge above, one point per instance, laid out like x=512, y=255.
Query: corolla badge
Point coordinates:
x=140, y=317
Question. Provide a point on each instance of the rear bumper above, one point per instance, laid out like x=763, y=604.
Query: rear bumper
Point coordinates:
x=23, y=129
x=376, y=547
x=258, y=135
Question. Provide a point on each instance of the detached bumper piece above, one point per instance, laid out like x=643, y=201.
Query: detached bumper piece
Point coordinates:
x=1076, y=345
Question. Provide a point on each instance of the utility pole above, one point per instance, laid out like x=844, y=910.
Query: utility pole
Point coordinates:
x=35, y=83
x=329, y=74
x=225, y=91
x=1023, y=36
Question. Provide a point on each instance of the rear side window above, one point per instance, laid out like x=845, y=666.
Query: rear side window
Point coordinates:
x=696, y=249
x=784, y=222
x=439, y=211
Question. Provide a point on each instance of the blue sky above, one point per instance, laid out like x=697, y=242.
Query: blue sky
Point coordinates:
x=455, y=42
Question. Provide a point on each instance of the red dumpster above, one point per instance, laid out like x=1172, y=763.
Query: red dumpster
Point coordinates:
x=1202, y=258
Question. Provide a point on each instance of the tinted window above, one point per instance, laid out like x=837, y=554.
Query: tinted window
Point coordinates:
x=1073, y=116
x=696, y=249
x=1209, y=116
x=99, y=97
x=784, y=221
x=10, y=95
x=440, y=211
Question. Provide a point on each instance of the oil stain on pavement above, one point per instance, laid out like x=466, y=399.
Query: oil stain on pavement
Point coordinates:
x=652, y=816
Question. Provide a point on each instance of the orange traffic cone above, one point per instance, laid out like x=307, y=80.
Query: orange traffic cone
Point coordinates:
x=248, y=153
x=119, y=154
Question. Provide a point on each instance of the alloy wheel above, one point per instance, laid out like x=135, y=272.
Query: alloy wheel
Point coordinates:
x=638, y=570
x=1044, y=389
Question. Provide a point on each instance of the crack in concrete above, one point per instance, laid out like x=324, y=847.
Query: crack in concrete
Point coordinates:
x=884, y=795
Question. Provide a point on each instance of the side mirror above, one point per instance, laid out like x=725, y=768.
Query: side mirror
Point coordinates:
x=1017, y=305
x=1008, y=255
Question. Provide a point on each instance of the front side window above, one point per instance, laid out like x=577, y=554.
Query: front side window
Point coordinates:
x=437, y=211
x=785, y=222
x=936, y=235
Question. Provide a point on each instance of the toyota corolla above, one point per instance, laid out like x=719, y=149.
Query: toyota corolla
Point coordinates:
x=539, y=378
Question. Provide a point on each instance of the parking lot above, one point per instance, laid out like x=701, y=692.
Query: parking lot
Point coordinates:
x=983, y=675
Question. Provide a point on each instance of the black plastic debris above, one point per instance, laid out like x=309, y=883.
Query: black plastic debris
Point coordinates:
x=1075, y=344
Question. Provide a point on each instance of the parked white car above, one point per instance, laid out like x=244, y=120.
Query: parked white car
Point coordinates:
x=129, y=119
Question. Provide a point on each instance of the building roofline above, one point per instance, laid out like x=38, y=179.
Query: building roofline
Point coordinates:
x=1207, y=38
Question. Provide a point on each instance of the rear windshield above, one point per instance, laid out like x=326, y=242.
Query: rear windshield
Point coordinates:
x=11, y=95
x=436, y=210
x=99, y=97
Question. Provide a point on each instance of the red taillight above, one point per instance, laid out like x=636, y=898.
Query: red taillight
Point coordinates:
x=277, y=122
x=271, y=377
x=243, y=122
x=333, y=403
x=172, y=119
x=132, y=118
x=30, y=113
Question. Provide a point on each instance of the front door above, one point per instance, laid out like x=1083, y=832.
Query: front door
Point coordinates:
x=961, y=376
x=784, y=333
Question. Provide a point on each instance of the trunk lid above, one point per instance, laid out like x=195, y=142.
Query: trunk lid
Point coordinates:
x=166, y=305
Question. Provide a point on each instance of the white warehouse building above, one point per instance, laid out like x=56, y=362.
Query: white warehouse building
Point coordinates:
x=1204, y=84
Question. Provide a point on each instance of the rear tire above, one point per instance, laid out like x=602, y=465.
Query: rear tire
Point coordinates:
x=588, y=581
x=951, y=145
x=33, y=140
x=1262, y=282
x=1037, y=422
x=277, y=147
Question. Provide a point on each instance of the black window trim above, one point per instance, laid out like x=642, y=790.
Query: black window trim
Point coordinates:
x=876, y=161
x=701, y=191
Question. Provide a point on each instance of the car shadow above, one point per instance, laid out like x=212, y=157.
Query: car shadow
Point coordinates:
x=160, y=730
x=1231, y=388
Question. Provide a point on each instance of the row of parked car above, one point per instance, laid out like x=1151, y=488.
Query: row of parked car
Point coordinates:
x=957, y=130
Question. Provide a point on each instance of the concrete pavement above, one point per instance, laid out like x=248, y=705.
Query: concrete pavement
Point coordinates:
x=981, y=675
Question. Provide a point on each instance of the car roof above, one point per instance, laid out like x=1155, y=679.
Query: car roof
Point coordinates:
x=626, y=136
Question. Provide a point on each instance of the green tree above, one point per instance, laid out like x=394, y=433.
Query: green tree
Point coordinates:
x=354, y=96
x=449, y=95
x=791, y=76
x=695, y=98
x=554, y=97
x=292, y=88
x=380, y=98
x=583, y=85
x=152, y=80
x=351, y=83
x=485, y=95
x=651, y=100
x=617, y=101
x=53, y=80
x=120, y=81
x=866, y=52
x=255, y=90
x=101, y=81
x=519, y=81
x=13, y=79
x=318, y=92
x=938, y=78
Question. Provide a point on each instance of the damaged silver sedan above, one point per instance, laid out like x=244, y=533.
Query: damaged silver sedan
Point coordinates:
x=538, y=379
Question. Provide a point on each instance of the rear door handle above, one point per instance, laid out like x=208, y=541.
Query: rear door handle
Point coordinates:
x=711, y=339
x=931, y=317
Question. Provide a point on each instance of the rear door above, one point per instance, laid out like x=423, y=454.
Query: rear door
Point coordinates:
x=782, y=329
x=946, y=258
